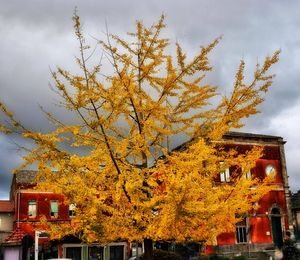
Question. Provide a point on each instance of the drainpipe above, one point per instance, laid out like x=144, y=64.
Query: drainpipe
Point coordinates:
x=18, y=215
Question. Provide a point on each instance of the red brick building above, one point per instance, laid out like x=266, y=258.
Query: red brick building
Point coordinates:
x=30, y=207
x=261, y=229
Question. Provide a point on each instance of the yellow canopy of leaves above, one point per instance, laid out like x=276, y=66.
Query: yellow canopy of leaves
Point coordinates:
x=128, y=184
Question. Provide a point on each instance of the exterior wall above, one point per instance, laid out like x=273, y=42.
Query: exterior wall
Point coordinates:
x=226, y=239
x=30, y=224
x=12, y=253
x=259, y=222
x=295, y=199
x=6, y=225
x=296, y=216
x=43, y=206
x=260, y=230
x=43, y=199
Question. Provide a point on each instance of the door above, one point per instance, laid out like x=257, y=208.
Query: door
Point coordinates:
x=276, y=227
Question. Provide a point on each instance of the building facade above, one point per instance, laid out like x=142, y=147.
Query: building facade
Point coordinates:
x=29, y=239
x=296, y=214
x=261, y=229
x=6, y=218
x=6, y=221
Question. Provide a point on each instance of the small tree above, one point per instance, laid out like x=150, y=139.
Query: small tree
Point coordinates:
x=128, y=184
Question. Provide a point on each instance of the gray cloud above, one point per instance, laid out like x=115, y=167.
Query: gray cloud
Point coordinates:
x=37, y=35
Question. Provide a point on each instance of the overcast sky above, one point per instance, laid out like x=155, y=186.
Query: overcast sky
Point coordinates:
x=36, y=36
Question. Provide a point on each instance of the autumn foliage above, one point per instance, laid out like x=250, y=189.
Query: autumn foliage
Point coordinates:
x=122, y=173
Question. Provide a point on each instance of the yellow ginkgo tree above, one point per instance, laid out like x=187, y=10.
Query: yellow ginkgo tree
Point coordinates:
x=119, y=170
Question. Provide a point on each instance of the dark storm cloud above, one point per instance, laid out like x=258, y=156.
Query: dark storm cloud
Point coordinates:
x=9, y=158
x=37, y=35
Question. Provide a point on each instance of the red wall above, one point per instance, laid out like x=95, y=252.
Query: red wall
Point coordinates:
x=226, y=238
x=259, y=220
x=43, y=205
x=261, y=164
x=269, y=152
x=29, y=224
x=260, y=229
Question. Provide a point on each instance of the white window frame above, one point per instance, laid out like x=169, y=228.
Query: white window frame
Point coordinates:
x=225, y=174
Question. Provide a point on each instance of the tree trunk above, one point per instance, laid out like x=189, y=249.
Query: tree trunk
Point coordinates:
x=148, y=245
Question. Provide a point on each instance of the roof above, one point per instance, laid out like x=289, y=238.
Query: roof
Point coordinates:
x=6, y=206
x=250, y=137
x=15, y=237
x=243, y=138
x=25, y=177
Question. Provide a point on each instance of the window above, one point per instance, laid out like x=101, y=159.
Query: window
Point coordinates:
x=225, y=174
x=32, y=209
x=116, y=252
x=96, y=252
x=74, y=252
x=54, y=208
x=241, y=232
x=72, y=208
x=270, y=169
